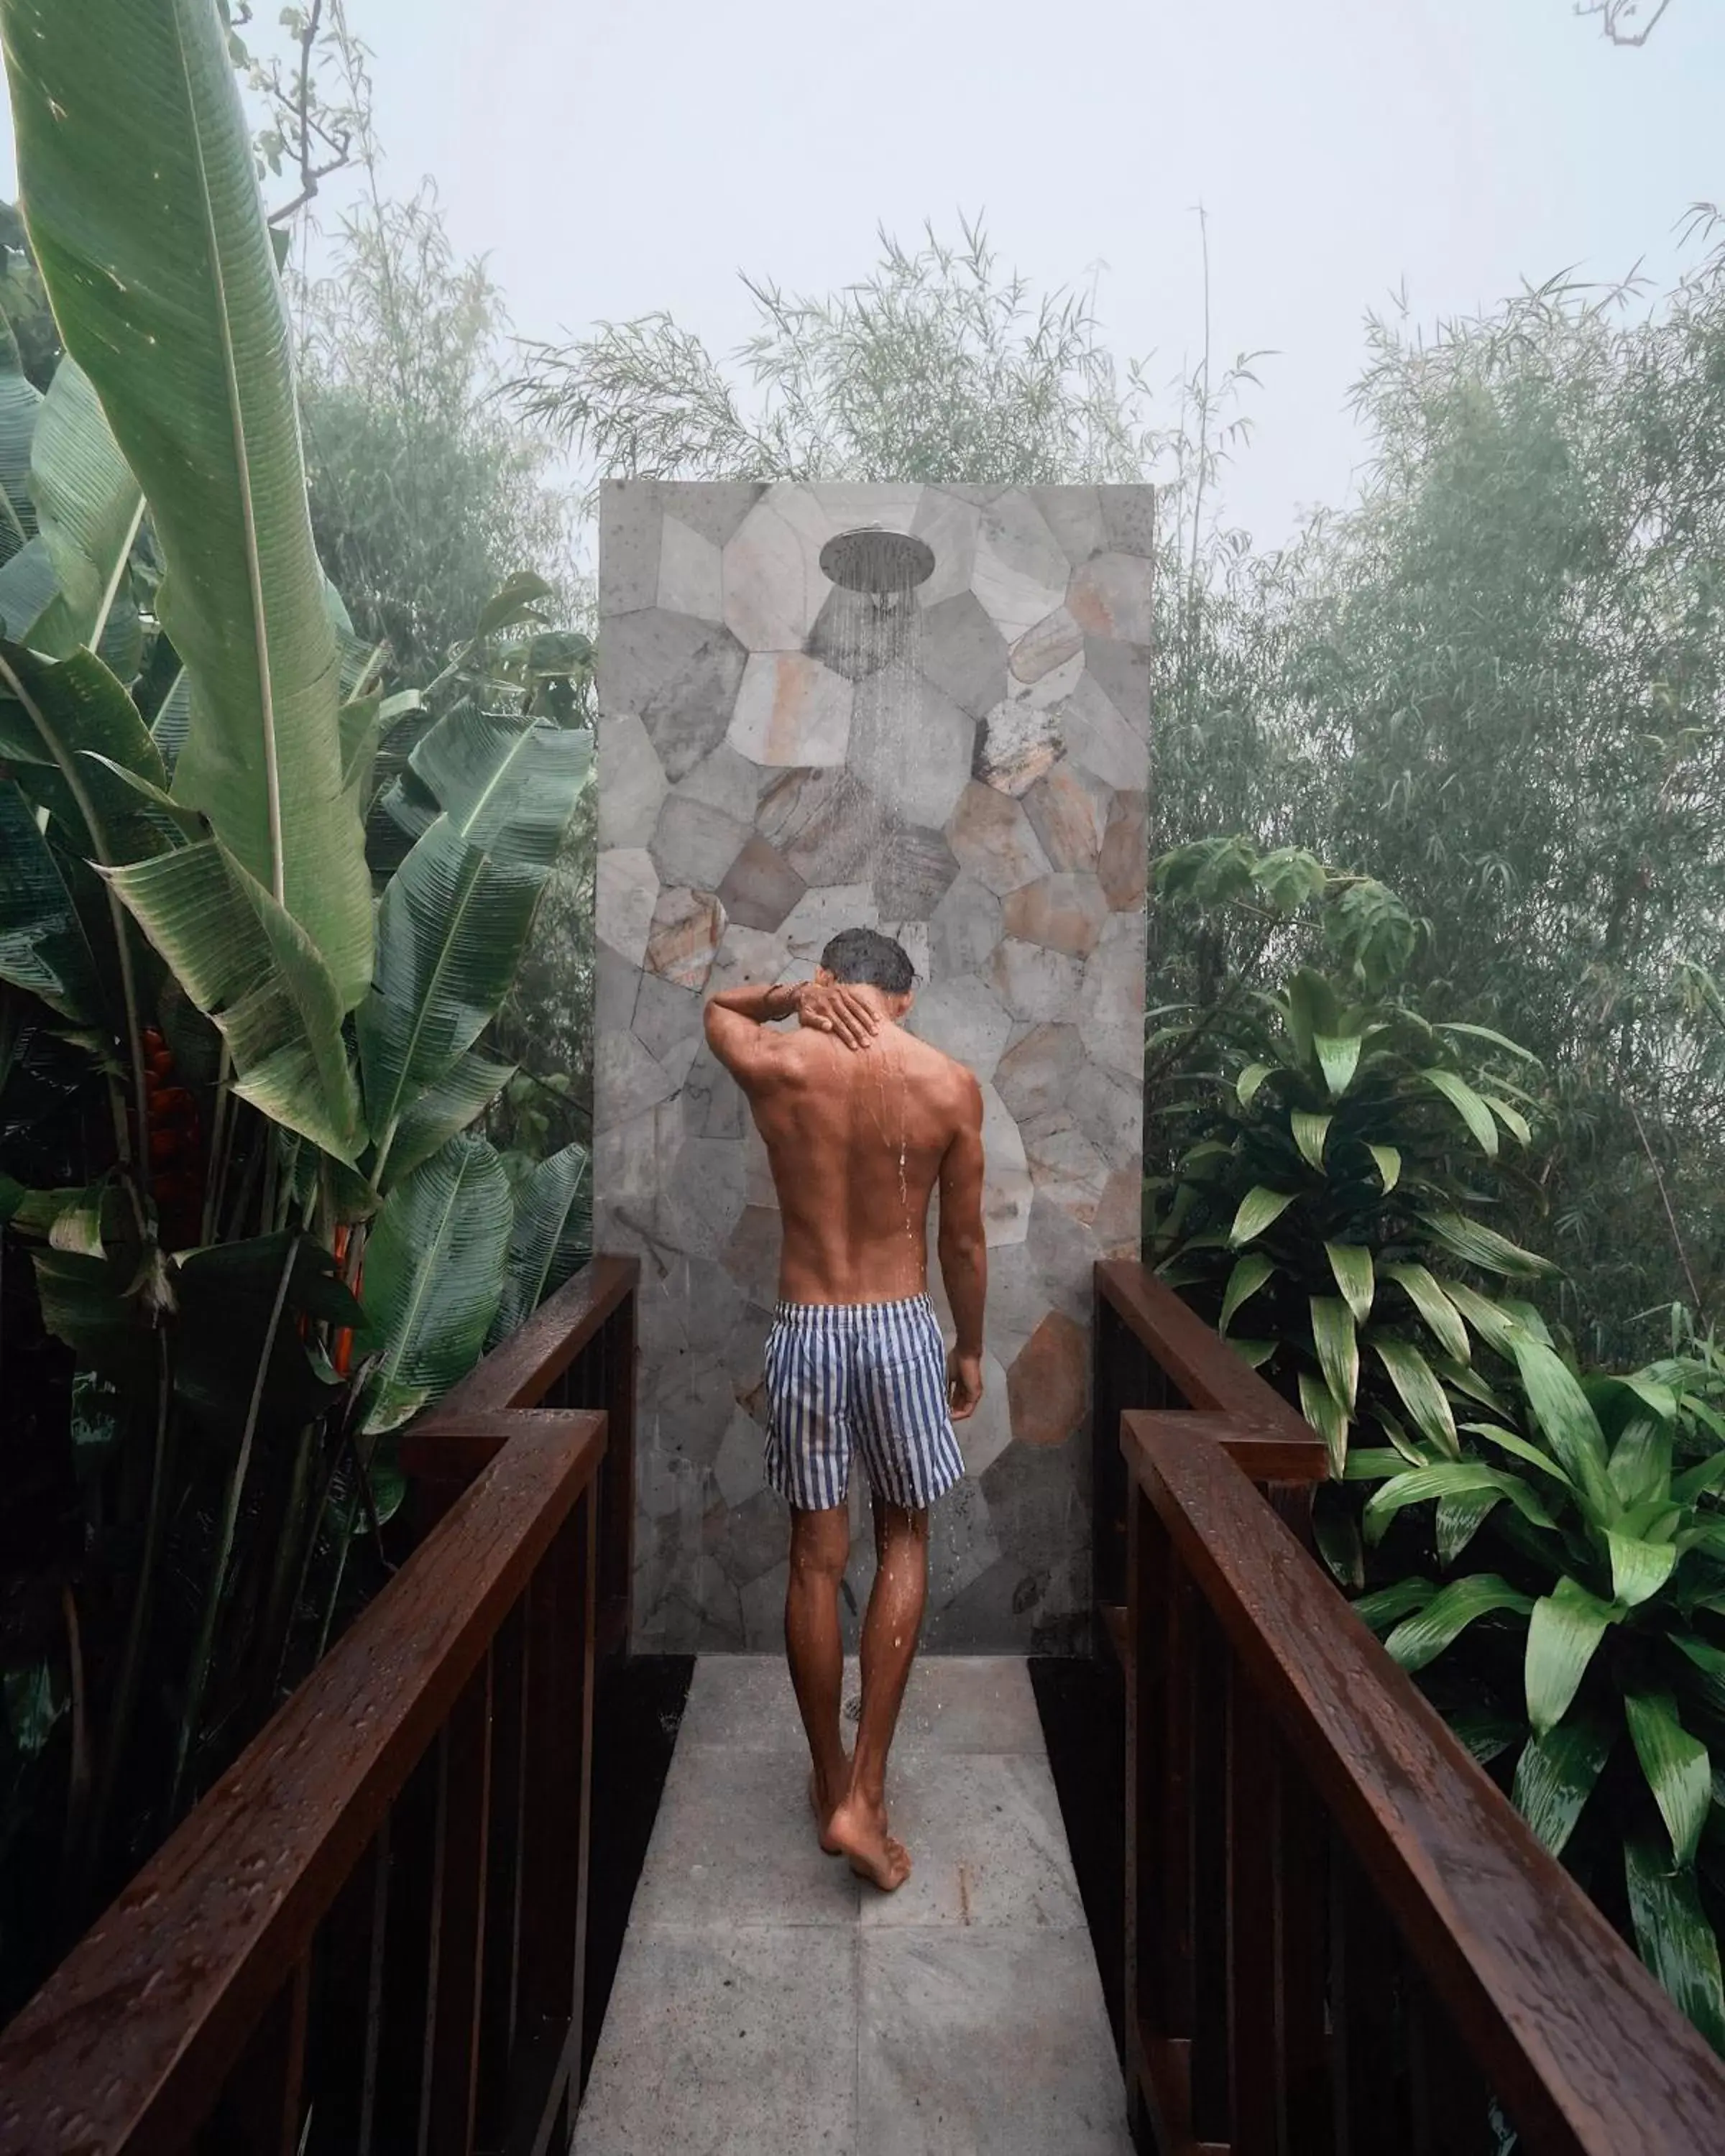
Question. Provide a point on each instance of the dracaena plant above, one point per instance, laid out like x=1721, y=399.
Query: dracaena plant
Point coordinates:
x=1327, y=1211
x=238, y=1078
x=1563, y=1584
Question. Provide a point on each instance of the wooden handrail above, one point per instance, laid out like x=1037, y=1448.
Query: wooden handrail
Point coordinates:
x=1554, y=2013
x=1204, y=1370
x=124, y=2045
x=520, y=1371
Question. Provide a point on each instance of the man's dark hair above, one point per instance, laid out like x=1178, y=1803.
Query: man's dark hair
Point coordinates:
x=864, y=957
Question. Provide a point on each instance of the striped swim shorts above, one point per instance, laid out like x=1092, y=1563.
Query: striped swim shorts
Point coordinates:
x=871, y=1375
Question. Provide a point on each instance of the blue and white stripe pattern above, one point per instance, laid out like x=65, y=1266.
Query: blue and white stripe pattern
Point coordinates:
x=870, y=1374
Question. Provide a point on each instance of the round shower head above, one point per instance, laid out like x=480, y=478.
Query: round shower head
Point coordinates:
x=877, y=562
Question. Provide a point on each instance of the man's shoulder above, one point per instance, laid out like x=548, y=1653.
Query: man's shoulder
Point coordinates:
x=945, y=1075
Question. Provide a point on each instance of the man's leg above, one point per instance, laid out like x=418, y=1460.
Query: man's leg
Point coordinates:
x=891, y=1630
x=820, y=1543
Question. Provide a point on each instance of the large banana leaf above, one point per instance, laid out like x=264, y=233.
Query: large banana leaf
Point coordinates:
x=552, y=1236
x=20, y=403
x=136, y=168
x=89, y=506
x=231, y=1329
x=43, y=944
x=57, y=718
x=433, y=1117
x=454, y=919
x=433, y=1271
x=252, y=969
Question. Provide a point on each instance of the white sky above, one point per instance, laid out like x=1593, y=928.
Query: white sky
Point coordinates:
x=625, y=155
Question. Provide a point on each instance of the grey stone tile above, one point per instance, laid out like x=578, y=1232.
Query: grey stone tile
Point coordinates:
x=732, y=2043
x=629, y=521
x=959, y=1703
x=744, y=1701
x=913, y=872
x=984, y=1833
x=964, y=654
x=695, y=844
x=955, y=1704
x=974, y=2042
x=734, y=1846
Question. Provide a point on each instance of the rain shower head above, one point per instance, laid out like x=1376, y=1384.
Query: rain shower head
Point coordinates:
x=877, y=562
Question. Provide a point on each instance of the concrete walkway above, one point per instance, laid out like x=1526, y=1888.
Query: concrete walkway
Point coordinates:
x=768, y=2004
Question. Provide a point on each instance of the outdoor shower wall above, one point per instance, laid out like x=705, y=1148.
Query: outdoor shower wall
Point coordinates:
x=964, y=766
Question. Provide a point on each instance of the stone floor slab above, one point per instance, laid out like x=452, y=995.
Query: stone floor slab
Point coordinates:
x=734, y=1846
x=954, y=1703
x=985, y=2044
x=986, y=1841
x=768, y=2002
x=726, y=2044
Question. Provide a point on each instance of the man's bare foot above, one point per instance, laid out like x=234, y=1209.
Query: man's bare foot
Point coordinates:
x=823, y=1813
x=858, y=1831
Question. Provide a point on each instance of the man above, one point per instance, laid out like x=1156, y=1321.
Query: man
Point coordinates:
x=861, y=1121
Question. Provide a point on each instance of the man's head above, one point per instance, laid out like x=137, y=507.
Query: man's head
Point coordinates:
x=864, y=958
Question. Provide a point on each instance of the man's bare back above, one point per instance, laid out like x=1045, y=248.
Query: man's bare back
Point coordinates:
x=862, y=1122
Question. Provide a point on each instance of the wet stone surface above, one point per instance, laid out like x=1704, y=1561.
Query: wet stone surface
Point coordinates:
x=766, y=2000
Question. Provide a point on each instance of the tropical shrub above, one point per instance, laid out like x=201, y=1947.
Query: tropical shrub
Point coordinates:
x=1565, y=1589
x=240, y=1058
x=1324, y=1203
x=1546, y=1550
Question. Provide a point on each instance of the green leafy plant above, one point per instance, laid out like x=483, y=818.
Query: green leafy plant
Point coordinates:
x=1568, y=1584
x=239, y=1056
x=1324, y=1204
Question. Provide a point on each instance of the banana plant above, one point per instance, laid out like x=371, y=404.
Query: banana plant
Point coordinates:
x=1325, y=1217
x=237, y=1084
x=1573, y=1553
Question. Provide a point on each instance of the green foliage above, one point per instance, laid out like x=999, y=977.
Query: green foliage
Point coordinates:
x=425, y=498
x=1320, y=1205
x=937, y=364
x=1566, y=1577
x=234, y=1151
x=1492, y=684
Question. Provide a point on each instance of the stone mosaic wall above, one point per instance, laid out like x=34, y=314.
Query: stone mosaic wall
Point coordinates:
x=753, y=799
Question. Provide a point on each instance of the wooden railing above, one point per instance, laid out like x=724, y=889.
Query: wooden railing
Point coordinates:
x=1153, y=1351
x=1339, y=1934
x=370, y=1935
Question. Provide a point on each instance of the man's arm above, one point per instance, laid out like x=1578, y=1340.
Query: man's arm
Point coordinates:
x=734, y=1018
x=963, y=1252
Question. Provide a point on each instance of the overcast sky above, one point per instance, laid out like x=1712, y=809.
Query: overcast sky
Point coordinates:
x=624, y=154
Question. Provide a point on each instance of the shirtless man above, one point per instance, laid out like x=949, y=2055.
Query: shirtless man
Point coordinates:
x=861, y=1121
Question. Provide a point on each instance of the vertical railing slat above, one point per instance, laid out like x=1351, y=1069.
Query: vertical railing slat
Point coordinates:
x=1255, y=2062
x=463, y=1861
